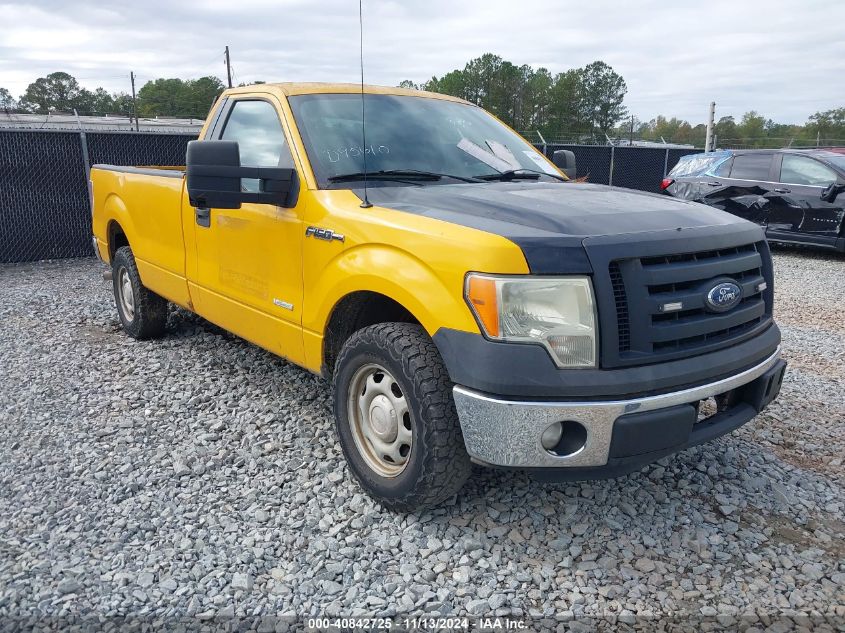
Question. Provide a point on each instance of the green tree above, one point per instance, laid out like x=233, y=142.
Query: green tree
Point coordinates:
x=829, y=124
x=57, y=91
x=410, y=85
x=492, y=83
x=603, y=94
x=567, y=115
x=752, y=128
x=177, y=97
x=161, y=97
x=200, y=95
x=122, y=103
x=7, y=101
x=698, y=135
x=97, y=102
x=661, y=128
x=537, y=97
x=452, y=83
x=725, y=130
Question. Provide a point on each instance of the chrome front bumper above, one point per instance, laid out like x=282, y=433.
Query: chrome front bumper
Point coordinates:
x=507, y=433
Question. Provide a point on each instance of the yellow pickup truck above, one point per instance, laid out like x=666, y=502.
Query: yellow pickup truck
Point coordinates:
x=469, y=302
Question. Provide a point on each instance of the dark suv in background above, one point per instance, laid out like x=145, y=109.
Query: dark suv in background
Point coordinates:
x=797, y=195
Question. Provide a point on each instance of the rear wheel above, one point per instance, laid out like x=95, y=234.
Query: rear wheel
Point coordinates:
x=143, y=313
x=396, y=419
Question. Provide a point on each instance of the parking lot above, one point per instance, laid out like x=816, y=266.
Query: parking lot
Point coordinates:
x=199, y=477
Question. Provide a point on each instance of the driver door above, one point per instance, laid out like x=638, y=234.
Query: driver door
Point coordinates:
x=800, y=213
x=247, y=276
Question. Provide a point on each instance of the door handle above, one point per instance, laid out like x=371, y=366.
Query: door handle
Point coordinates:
x=713, y=183
x=203, y=216
x=783, y=191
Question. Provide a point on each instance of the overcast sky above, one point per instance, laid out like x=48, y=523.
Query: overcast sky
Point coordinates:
x=783, y=59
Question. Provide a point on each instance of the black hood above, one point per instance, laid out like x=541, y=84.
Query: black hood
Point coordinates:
x=550, y=220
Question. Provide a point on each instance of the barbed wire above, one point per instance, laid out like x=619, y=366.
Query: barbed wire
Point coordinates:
x=743, y=142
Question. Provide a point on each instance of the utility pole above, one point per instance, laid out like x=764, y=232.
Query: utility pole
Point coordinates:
x=708, y=143
x=631, y=140
x=134, y=103
x=228, y=67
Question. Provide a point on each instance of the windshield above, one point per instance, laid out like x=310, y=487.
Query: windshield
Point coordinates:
x=407, y=133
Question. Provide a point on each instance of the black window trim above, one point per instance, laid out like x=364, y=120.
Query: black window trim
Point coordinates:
x=218, y=114
x=223, y=121
x=779, y=162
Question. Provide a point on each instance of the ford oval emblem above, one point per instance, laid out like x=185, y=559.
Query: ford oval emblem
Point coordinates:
x=723, y=296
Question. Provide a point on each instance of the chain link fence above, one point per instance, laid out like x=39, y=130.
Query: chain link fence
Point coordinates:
x=634, y=167
x=138, y=148
x=43, y=197
x=44, y=208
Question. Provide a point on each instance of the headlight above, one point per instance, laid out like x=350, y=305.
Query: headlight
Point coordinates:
x=557, y=312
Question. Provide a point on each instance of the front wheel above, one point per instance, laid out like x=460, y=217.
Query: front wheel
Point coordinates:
x=396, y=419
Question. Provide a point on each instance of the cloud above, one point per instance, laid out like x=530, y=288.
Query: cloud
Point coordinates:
x=784, y=60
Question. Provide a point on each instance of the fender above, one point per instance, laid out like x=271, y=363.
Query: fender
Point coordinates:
x=425, y=275
x=115, y=210
x=412, y=283
x=433, y=301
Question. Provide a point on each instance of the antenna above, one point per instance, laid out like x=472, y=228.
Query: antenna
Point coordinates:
x=366, y=204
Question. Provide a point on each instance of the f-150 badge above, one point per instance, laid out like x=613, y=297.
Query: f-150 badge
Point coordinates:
x=323, y=234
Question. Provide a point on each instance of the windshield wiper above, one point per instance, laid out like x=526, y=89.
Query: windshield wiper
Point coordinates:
x=522, y=173
x=399, y=174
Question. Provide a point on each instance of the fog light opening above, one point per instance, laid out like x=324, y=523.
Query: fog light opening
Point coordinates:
x=551, y=436
x=563, y=439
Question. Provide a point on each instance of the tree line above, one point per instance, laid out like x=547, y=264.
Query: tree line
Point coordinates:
x=586, y=105
x=583, y=105
x=753, y=130
x=588, y=100
x=61, y=92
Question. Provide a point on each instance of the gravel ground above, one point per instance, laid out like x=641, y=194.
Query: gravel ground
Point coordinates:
x=198, y=477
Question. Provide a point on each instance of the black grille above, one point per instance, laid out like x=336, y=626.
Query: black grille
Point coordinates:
x=647, y=292
x=621, y=300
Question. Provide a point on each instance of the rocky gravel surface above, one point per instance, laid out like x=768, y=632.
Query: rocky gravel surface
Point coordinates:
x=198, y=478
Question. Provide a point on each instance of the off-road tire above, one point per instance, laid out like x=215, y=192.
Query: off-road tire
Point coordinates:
x=150, y=310
x=438, y=465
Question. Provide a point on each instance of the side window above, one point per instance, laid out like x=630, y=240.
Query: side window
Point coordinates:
x=724, y=169
x=751, y=166
x=800, y=170
x=256, y=127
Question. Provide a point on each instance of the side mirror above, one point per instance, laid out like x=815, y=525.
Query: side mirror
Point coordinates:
x=564, y=160
x=830, y=192
x=214, y=173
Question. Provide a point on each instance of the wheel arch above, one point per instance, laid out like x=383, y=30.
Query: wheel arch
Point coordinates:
x=115, y=237
x=355, y=311
x=114, y=225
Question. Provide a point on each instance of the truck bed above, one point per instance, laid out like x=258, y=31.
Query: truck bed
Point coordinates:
x=146, y=202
